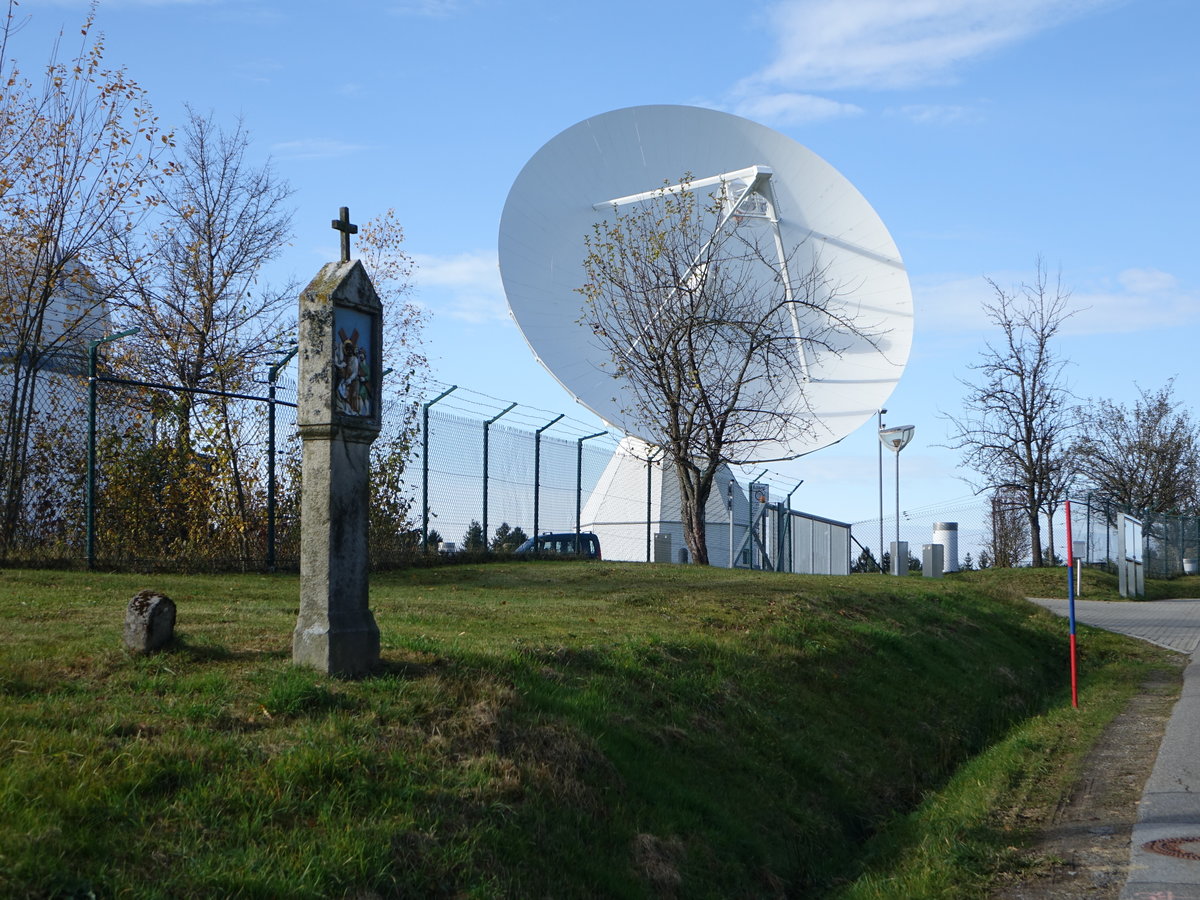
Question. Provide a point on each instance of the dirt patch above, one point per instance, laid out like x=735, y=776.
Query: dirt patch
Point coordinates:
x=1083, y=849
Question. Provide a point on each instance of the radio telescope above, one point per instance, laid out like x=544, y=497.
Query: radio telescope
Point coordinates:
x=814, y=216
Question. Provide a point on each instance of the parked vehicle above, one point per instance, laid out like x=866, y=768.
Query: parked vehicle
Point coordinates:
x=567, y=543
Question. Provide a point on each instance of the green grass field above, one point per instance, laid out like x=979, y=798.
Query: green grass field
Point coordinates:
x=1094, y=584
x=542, y=730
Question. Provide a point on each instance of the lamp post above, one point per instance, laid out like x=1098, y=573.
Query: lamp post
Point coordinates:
x=896, y=439
x=880, y=417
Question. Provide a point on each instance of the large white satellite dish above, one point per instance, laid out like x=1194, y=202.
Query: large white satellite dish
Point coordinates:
x=624, y=156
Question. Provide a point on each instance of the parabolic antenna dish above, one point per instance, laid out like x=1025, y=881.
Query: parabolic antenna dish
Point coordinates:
x=605, y=162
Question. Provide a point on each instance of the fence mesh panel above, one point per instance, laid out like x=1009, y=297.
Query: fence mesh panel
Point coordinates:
x=1172, y=542
x=199, y=495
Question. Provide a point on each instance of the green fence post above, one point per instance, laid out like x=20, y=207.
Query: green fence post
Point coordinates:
x=272, y=377
x=787, y=533
x=425, y=465
x=486, y=430
x=90, y=513
x=579, y=483
x=537, y=471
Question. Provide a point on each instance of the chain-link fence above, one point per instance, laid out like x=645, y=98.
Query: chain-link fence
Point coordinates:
x=500, y=476
x=192, y=479
x=127, y=474
x=156, y=476
x=122, y=473
x=987, y=531
x=1170, y=543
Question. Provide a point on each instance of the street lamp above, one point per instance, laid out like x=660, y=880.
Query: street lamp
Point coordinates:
x=880, y=418
x=896, y=439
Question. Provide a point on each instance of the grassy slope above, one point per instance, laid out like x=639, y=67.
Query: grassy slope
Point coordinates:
x=535, y=730
x=1094, y=585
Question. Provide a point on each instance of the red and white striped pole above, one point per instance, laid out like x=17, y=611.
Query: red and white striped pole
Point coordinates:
x=1071, y=602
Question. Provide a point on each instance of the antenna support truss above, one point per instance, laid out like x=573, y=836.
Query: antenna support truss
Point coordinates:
x=737, y=188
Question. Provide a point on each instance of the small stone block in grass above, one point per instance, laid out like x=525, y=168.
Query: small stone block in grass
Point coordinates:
x=149, y=622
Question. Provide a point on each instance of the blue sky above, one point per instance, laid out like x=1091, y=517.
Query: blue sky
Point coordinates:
x=984, y=134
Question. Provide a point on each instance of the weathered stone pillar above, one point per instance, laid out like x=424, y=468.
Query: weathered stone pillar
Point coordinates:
x=340, y=362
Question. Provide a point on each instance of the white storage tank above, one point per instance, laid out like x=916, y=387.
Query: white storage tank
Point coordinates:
x=946, y=534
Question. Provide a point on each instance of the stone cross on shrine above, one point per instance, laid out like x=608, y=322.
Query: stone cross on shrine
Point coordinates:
x=338, y=415
x=342, y=224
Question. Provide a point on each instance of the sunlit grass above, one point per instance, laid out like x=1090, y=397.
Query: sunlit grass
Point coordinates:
x=558, y=729
x=1094, y=583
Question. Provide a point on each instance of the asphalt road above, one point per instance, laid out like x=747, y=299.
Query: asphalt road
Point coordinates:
x=1165, y=851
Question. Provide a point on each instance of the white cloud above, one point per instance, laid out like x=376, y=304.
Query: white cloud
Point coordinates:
x=832, y=44
x=1147, y=281
x=825, y=45
x=432, y=8
x=1134, y=300
x=930, y=114
x=951, y=305
x=465, y=287
x=793, y=109
x=1127, y=310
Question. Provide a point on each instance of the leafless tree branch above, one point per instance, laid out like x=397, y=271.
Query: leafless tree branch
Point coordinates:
x=711, y=332
x=1018, y=417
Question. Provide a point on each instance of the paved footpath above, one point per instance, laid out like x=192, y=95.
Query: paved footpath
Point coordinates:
x=1164, y=861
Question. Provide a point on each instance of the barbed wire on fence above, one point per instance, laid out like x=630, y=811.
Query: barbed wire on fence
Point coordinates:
x=226, y=493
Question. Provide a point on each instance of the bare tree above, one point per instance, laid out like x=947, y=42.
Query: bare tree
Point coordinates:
x=1008, y=535
x=1017, y=420
x=1145, y=458
x=82, y=155
x=381, y=248
x=207, y=319
x=711, y=332
x=11, y=97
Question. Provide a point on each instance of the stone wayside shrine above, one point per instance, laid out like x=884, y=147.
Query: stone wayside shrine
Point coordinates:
x=340, y=360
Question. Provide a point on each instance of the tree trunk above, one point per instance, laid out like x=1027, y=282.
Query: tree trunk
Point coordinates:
x=694, y=488
x=1035, y=534
x=15, y=465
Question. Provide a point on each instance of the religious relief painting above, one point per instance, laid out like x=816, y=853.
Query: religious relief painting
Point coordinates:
x=353, y=388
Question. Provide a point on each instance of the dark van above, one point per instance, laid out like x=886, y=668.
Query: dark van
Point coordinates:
x=567, y=543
